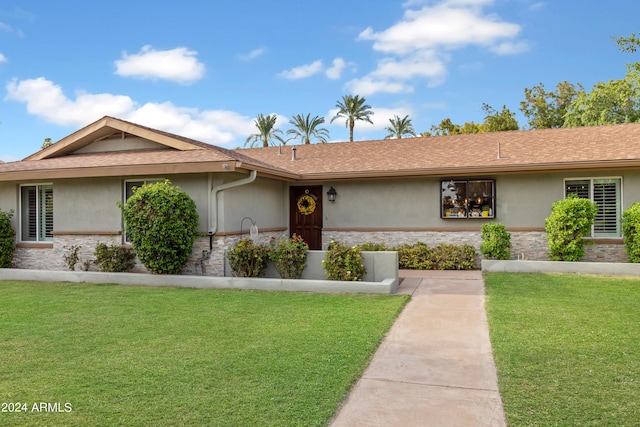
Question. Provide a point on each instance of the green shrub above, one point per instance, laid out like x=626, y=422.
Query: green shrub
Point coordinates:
x=631, y=231
x=7, y=241
x=571, y=219
x=247, y=259
x=496, y=241
x=289, y=256
x=114, y=258
x=344, y=262
x=72, y=258
x=454, y=257
x=419, y=256
x=161, y=223
x=370, y=246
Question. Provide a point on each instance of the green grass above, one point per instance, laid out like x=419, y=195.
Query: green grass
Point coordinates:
x=567, y=348
x=137, y=356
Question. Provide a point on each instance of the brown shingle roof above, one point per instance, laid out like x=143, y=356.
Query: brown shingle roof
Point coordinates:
x=549, y=149
x=586, y=148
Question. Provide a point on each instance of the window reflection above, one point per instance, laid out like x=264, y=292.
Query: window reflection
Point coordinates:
x=468, y=199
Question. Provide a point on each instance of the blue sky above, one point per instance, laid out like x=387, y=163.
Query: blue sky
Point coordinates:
x=205, y=69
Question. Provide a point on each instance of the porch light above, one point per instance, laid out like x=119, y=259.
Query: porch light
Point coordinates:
x=331, y=194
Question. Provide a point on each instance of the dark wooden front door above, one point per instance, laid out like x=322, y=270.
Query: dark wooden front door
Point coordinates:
x=305, y=214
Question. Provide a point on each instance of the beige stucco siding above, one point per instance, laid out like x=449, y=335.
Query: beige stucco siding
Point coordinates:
x=9, y=200
x=92, y=204
x=521, y=201
x=263, y=200
x=87, y=204
x=383, y=203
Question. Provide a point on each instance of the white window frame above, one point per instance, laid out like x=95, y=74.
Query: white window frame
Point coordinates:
x=144, y=181
x=40, y=236
x=619, y=203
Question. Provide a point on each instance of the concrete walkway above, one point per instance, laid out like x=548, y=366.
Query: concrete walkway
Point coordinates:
x=435, y=368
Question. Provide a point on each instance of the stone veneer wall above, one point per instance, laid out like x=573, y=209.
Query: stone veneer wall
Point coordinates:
x=52, y=258
x=528, y=245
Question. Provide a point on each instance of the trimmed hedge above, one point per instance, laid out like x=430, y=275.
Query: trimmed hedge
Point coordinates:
x=420, y=256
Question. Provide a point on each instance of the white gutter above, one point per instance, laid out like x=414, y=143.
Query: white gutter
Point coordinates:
x=213, y=213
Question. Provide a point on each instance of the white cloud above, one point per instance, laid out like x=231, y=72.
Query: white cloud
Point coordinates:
x=419, y=47
x=510, y=48
x=46, y=100
x=179, y=65
x=445, y=25
x=2, y=58
x=253, y=54
x=369, y=85
x=302, y=71
x=218, y=127
x=335, y=71
x=5, y=27
x=537, y=6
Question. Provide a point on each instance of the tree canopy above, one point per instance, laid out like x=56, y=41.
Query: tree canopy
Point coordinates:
x=306, y=128
x=267, y=131
x=399, y=127
x=547, y=109
x=353, y=108
x=612, y=102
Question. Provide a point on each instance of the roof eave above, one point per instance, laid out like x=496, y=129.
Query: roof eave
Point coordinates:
x=474, y=170
x=118, y=170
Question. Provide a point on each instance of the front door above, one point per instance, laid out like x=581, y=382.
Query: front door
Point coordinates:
x=305, y=214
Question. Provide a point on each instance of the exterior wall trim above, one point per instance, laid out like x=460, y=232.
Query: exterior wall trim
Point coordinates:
x=87, y=233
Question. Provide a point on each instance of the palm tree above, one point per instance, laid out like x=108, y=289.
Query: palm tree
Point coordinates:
x=353, y=108
x=307, y=128
x=267, y=131
x=400, y=127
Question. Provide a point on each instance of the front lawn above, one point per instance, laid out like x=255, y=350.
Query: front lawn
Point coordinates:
x=567, y=348
x=139, y=356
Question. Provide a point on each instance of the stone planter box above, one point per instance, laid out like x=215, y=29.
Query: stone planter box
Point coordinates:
x=382, y=277
x=607, y=268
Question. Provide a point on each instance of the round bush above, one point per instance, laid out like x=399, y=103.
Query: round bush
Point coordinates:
x=247, y=259
x=571, y=219
x=631, y=231
x=161, y=224
x=7, y=242
x=496, y=241
x=344, y=262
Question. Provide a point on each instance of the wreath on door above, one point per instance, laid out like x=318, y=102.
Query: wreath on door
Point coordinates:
x=306, y=203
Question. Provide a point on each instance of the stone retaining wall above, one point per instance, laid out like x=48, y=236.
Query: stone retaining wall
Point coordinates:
x=530, y=245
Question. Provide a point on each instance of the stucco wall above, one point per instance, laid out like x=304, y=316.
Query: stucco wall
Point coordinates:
x=263, y=201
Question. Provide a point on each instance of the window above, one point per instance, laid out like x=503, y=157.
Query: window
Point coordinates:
x=36, y=213
x=606, y=192
x=468, y=199
x=128, y=192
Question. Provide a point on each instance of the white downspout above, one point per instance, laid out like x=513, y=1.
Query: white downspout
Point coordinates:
x=213, y=213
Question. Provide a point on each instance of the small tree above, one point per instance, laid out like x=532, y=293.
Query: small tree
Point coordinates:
x=631, y=231
x=7, y=242
x=571, y=219
x=496, y=241
x=161, y=224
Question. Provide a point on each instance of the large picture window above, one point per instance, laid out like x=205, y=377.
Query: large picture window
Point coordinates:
x=468, y=199
x=607, y=193
x=36, y=213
